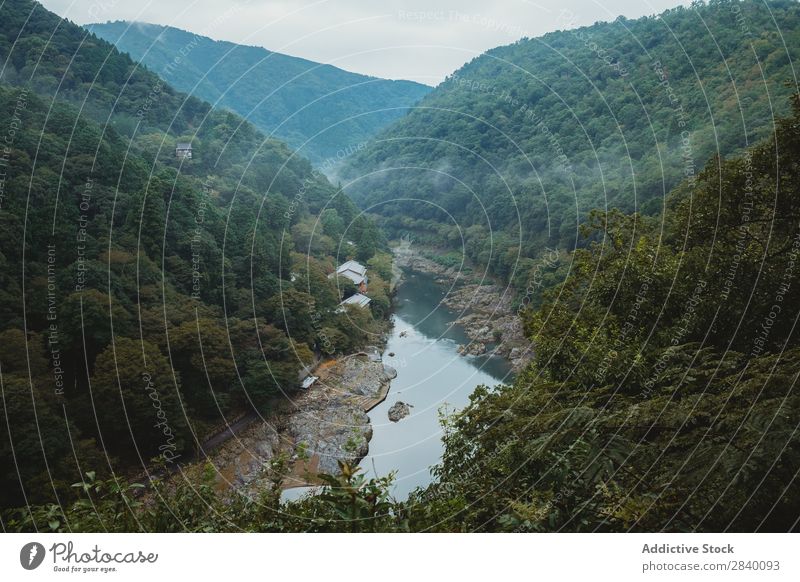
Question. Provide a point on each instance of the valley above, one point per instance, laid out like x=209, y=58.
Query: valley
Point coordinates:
x=245, y=291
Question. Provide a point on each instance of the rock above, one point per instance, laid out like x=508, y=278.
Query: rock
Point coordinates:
x=391, y=354
x=472, y=349
x=399, y=411
x=338, y=433
x=240, y=460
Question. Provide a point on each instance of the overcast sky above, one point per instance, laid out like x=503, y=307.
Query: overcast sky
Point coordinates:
x=423, y=40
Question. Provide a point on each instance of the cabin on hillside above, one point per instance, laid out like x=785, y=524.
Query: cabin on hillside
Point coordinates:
x=357, y=299
x=308, y=382
x=183, y=151
x=356, y=272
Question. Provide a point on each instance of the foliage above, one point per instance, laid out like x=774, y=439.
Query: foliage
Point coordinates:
x=145, y=292
x=349, y=502
x=511, y=152
x=662, y=395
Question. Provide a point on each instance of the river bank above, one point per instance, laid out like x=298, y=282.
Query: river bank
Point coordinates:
x=314, y=430
x=449, y=331
x=484, y=309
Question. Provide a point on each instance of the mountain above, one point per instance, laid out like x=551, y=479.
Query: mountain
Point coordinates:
x=662, y=398
x=322, y=110
x=511, y=152
x=145, y=296
x=168, y=292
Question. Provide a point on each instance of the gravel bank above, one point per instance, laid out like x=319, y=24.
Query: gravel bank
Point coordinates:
x=328, y=423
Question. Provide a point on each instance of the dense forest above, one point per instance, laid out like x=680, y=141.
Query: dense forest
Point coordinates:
x=141, y=289
x=512, y=151
x=664, y=390
x=146, y=297
x=662, y=396
x=323, y=111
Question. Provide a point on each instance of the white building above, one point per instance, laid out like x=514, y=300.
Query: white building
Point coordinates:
x=308, y=382
x=183, y=151
x=356, y=272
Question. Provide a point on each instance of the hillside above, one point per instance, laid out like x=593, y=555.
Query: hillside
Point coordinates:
x=514, y=149
x=662, y=397
x=319, y=109
x=169, y=293
x=145, y=296
x=663, y=393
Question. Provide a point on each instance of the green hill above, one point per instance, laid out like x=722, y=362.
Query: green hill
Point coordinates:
x=165, y=292
x=322, y=110
x=515, y=148
x=662, y=396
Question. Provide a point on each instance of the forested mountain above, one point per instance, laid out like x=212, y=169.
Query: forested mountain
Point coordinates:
x=514, y=149
x=320, y=109
x=663, y=395
x=165, y=292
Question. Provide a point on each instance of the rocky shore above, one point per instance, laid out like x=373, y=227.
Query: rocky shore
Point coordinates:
x=331, y=423
x=489, y=320
x=485, y=310
x=322, y=425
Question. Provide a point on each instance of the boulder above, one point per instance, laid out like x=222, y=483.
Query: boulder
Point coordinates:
x=472, y=349
x=399, y=411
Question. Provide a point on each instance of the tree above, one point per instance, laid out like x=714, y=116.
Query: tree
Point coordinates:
x=136, y=396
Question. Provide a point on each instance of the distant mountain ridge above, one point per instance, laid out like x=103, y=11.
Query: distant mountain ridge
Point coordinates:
x=511, y=152
x=293, y=99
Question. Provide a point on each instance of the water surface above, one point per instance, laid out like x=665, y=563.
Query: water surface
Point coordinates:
x=431, y=376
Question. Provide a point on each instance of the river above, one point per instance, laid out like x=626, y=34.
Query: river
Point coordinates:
x=431, y=376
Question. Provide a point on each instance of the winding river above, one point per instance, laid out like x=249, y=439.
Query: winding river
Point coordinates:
x=431, y=376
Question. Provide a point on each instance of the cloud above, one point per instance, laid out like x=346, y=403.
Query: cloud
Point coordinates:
x=423, y=40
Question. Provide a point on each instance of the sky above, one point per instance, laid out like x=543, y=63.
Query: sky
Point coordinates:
x=396, y=39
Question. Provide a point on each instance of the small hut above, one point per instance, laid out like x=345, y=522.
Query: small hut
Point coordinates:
x=183, y=151
x=357, y=299
x=308, y=382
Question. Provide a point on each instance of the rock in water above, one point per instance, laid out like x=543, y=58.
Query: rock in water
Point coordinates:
x=399, y=410
x=474, y=348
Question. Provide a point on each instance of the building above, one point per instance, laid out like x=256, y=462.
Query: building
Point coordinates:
x=183, y=151
x=356, y=272
x=357, y=299
x=308, y=382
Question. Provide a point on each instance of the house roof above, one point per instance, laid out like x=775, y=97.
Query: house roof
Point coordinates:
x=183, y=146
x=354, y=277
x=354, y=271
x=354, y=266
x=357, y=299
